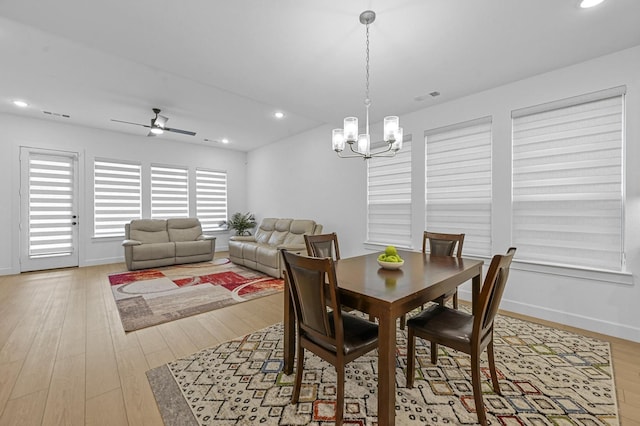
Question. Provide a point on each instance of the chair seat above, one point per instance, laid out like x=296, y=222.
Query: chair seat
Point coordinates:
x=358, y=333
x=443, y=322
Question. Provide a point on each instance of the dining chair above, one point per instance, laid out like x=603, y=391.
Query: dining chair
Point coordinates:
x=321, y=326
x=323, y=245
x=468, y=333
x=441, y=245
x=444, y=245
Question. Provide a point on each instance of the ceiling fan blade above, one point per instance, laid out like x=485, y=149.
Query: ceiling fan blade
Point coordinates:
x=129, y=122
x=184, y=132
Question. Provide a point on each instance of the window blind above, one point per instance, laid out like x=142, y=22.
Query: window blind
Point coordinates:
x=567, y=182
x=51, y=205
x=169, y=192
x=117, y=196
x=458, y=183
x=211, y=198
x=389, y=198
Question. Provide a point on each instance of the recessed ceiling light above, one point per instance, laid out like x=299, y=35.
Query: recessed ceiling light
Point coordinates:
x=278, y=114
x=21, y=104
x=589, y=3
x=224, y=140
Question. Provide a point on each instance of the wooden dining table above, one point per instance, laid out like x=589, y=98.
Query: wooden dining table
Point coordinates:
x=387, y=295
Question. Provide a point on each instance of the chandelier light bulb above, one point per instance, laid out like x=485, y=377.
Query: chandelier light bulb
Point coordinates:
x=351, y=129
x=337, y=140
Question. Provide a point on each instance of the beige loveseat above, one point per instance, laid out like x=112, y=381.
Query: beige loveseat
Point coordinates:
x=151, y=243
x=261, y=251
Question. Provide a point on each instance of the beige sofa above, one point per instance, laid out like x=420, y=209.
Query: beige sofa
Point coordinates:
x=151, y=243
x=261, y=251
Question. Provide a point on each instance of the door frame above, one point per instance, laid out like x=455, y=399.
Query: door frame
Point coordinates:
x=25, y=262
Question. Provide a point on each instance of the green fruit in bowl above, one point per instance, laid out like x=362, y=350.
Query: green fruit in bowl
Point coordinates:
x=392, y=258
x=390, y=251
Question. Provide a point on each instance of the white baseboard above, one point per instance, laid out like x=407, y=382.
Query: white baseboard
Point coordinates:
x=103, y=261
x=596, y=325
x=9, y=271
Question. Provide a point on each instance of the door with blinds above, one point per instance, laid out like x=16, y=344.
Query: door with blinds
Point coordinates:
x=48, y=209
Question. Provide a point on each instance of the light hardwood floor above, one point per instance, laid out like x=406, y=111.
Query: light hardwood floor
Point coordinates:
x=64, y=358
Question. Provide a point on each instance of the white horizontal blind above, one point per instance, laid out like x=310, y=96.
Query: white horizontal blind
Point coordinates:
x=51, y=205
x=117, y=196
x=458, y=183
x=211, y=198
x=389, y=198
x=567, y=183
x=169, y=192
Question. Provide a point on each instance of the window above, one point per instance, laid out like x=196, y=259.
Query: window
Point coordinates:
x=169, y=192
x=567, y=181
x=389, y=198
x=117, y=196
x=458, y=183
x=211, y=198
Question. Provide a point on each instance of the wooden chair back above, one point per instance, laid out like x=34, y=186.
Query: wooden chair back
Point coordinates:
x=311, y=297
x=323, y=245
x=443, y=244
x=491, y=293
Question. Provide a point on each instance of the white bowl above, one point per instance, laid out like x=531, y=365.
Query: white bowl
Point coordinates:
x=390, y=265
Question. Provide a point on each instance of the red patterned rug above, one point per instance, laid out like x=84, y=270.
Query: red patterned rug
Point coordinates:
x=153, y=296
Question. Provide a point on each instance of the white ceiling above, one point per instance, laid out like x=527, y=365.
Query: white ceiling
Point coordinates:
x=221, y=68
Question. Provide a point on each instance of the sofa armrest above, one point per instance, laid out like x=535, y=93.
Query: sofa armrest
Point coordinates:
x=293, y=247
x=205, y=237
x=250, y=238
x=130, y=243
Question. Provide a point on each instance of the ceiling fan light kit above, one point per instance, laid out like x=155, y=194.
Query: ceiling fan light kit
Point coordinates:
x=392, y=132
x=158, y=125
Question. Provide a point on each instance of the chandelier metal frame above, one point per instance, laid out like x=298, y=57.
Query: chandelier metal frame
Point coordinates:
x=360, y=144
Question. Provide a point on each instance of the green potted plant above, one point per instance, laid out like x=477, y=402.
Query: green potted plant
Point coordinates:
x=241, y=222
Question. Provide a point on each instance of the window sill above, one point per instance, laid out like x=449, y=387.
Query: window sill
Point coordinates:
x=368, y=245
x=613, y=277
x=107, y=239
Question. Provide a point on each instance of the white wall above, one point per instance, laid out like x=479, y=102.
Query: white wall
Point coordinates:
x=301, y=177
x=91, y=143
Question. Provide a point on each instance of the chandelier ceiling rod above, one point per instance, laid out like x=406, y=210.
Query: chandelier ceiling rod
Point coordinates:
x=349, y=133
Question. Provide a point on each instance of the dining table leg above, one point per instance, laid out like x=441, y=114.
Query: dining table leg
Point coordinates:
x=386, y=369
x=289, y=330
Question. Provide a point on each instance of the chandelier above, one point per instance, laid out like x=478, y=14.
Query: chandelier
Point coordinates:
x=360, y=144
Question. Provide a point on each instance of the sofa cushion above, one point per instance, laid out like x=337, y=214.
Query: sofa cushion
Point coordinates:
x=184, y=229
x=154, y=251
x=265, y=230
x=297, y=230
x=149, y=231
x=277, y=238
x=268, y=256
x=283, y=225
x=192, y=248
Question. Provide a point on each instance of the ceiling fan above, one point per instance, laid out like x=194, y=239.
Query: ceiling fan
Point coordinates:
x=158, y=125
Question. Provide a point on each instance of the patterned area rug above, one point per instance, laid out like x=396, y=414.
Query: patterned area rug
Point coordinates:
x=547, y=377
x=153, y=296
